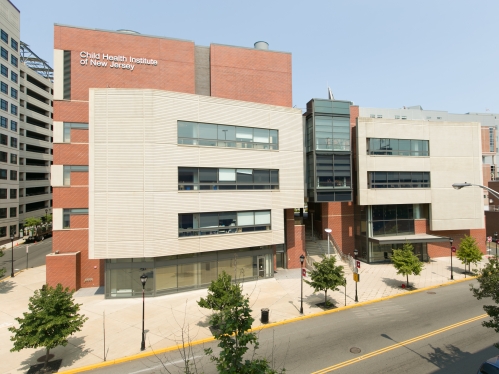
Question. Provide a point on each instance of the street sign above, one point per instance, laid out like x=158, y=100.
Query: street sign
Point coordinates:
x=304, y=272
x=356, y=277
x=357, y=264
x=489, y=238
x=453, y=249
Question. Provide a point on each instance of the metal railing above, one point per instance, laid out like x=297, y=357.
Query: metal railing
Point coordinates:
x=345, y=257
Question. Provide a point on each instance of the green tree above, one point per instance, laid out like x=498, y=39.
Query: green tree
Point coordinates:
x=234, y=341
x=222, y=294
x=406, y=262
x=488, y=280
x=52, y=318
x=326, y=276
x=32, y=221
x=2, y=270
x=469, y=252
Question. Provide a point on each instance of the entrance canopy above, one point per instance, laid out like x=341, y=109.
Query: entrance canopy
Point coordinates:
x=415, y=238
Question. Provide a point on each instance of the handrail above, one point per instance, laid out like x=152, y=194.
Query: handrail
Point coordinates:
x=344, y=257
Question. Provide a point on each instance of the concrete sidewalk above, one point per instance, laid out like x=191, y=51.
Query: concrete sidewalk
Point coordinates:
x=167, y=316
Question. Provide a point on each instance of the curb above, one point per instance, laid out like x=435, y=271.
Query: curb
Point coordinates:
x=15, y=274
x=266, y=326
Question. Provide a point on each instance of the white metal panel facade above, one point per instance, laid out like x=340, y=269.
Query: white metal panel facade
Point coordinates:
x=133, y=165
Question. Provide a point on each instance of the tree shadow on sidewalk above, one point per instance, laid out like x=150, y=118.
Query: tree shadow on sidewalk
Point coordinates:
x=7, y=286
x=442, y=359
x=394, y=283
x=69, y=354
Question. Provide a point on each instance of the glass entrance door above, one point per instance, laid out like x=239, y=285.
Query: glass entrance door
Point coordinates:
x=261, y=266
x=279, y=259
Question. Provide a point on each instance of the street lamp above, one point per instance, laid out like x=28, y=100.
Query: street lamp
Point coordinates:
x=355, y=253
x=143, y=279
x=12, y=254
x=46, y=211
x=302, y=258
x=495, y=236
x=451, y=271
x=328, y=231
x=458, y=186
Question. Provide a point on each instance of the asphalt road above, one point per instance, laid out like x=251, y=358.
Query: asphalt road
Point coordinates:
x=426, y=332
x=36, y=256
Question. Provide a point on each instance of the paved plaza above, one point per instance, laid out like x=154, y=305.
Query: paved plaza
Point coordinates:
x=167, y=316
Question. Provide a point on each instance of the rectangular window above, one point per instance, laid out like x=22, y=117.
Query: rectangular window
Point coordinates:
x=3, y=193
x=3, y=156
x=195, y=224
x=391, y=179
x=4, y=54
x=13, y=142
x=67, y=173
x=13, y=92
x=13, y=175
x=14, y=44
x=3, y=231
x=4, y=70
x=67, y=213
x=13, y=193
x=4, y=36
x=4, y=105
x=3, y=212
x=3, y=122
x=13, y=212
x=13, y=60
x=13, y=77
x=4, y=87
x=397, y=147
x=206, y=134
x=72, y=125
x=13, y=158
x=4, y=139
x=13, y=125
x=13, y=109
x=3, y=173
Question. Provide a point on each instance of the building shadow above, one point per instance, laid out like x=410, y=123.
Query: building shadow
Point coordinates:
x=69, y=354
x=7, y=286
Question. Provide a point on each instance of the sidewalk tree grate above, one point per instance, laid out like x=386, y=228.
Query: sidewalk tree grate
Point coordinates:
x=431, y=292
x=354, y=350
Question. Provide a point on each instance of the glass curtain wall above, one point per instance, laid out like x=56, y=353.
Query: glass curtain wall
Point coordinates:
x=171, y=274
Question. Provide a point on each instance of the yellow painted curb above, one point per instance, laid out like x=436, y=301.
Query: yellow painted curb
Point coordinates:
x=266, y=326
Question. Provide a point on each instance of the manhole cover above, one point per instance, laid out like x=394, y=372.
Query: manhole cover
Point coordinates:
x=42, y=359
x=355, y=350
x=431, y=292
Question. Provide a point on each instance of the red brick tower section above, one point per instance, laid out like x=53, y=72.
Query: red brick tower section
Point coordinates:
x=295, y=239
x=259, y=76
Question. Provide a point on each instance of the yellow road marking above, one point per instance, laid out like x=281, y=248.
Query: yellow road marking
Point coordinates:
x=398, y=345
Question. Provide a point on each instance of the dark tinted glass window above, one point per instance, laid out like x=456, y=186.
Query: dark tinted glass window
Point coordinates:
x=244, y=175
x=208, y=175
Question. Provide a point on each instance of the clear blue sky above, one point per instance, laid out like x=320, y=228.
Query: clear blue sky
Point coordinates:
x=439, y=54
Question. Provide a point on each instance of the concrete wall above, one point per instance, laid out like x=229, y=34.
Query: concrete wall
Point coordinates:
x=455, y=156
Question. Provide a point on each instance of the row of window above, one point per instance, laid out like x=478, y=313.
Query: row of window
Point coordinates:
x=4, y=157
x=3, y=193
x=12, y=211
x=207, y=134
x=4, y=70
x=398, y=147
x=227, y=179
x=3, y=230
x=5, y=55
x=194, y=224
x=4, y=123
x=4, y=105
x=4, y=88
x=13, y=174
x=5, y=37
x=4, y=140
x=397, y=116
x=395, y=179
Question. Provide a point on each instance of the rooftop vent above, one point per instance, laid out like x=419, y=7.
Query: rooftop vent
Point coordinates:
x=128, y=31
x=262, y=45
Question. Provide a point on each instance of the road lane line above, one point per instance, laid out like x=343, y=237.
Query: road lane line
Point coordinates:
x=398, y=345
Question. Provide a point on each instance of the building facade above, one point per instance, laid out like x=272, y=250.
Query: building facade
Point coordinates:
x=170, y=159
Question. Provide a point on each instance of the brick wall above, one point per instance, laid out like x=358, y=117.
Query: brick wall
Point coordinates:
x=251, y=75
x=339, y=217
x=421, y=226
x=295, y=239
x=79, y=221
x=70, y=154
x=79, y=136
x=70, y=241
x=442, y=249
x=64, y=268
x=70, y=197
x=71, y=111
x=79, y=178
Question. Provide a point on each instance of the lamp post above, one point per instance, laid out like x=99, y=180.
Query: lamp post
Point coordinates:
x=46, y=211
x=302, y=259
x=143, y=279
x=451, y=271
x=328, y=231
x=458, y=186
x=355, y=253
x=12, y=254
x=495, y=236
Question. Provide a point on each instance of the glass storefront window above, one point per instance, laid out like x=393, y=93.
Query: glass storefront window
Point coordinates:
x=166, y=279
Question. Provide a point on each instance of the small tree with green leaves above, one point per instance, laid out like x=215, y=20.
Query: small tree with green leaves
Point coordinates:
x=222, y=294
x=469, y=252
x=488, y=280
x=32, y=222
x=53, y=316
x=406, y=262
x=326, y=276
